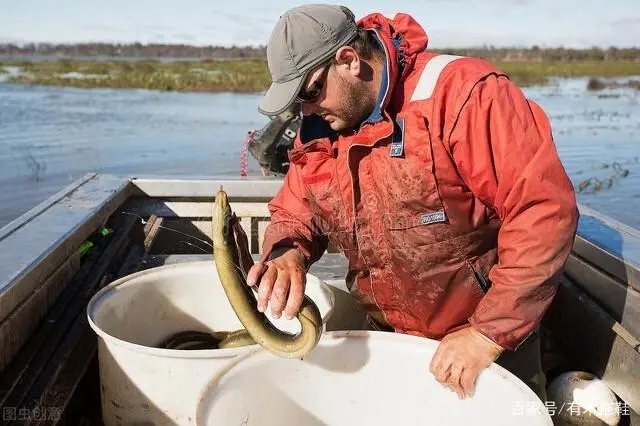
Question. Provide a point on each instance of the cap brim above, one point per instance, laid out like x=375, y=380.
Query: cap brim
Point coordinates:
x=280, y=96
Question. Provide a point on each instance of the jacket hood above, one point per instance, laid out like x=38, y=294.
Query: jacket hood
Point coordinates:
x=402, y=39
x=406, y=34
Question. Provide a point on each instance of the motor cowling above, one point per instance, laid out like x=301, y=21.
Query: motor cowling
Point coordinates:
x=270, y=145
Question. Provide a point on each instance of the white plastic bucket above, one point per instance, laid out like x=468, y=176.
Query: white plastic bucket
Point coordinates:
x=147, y=385
x=362, y=378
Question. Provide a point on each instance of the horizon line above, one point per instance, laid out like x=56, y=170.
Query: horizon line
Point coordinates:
x=22, y=43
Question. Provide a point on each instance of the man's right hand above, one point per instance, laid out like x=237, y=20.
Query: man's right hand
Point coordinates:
x=281, y=281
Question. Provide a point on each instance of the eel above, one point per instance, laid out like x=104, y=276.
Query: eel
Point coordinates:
x=233, y=261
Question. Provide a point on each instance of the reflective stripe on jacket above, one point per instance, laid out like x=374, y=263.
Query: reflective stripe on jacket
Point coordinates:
x=449, y=202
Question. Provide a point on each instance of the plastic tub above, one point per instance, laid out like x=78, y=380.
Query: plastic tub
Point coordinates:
x=362, y=378
x=143, y=384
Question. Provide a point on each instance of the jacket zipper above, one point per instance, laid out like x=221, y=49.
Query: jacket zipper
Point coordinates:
x=355, y=226
x=482, y=281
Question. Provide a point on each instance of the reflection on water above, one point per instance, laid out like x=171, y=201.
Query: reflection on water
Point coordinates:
x=51, y=136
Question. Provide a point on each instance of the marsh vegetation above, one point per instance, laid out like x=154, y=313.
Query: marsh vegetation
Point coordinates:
x=618, y=171
x=528, y=73
x=203, y=76
x=596, y=84
x=252, y=75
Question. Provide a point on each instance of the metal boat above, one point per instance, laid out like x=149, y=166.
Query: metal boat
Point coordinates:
x=56, y=256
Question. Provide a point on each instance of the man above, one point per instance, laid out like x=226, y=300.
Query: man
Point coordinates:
x=432, y=174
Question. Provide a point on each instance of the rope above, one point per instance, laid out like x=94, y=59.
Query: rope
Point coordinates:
x=244, y=158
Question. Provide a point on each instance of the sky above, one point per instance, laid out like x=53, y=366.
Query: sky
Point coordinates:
x=449, y=23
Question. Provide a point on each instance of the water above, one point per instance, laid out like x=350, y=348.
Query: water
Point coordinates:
x=51, y=136
x=593, y=131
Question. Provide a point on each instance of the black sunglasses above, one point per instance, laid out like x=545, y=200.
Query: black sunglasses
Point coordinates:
x=316, y=88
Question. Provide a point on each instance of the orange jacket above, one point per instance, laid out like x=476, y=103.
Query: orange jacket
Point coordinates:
x=450, y=201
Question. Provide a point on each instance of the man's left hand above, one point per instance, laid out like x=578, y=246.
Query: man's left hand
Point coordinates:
x=460, y=358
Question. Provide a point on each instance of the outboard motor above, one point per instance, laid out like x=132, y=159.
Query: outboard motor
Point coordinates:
x=269, y=145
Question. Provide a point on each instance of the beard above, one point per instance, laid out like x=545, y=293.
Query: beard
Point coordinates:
x=355, y=104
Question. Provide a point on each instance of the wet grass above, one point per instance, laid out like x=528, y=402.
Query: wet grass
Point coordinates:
x=594, y=184
x=253, y=75
x=204, y=76
x=532, y=73
x=596, y=84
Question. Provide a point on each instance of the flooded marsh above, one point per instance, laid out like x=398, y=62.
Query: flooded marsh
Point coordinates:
x=50, y=136
x=248, y=76
x=245, y=76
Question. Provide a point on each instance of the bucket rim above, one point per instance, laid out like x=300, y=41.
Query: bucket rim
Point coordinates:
x=402, y=339
x=98, y=297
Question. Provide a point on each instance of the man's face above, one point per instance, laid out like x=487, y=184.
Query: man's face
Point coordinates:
x=338, y=95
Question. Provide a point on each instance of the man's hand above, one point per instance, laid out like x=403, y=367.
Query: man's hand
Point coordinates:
x=460, y=358
x=281, y=281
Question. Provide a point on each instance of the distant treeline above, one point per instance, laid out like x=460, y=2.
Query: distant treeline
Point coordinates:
x=134, y=50
x=557, y=54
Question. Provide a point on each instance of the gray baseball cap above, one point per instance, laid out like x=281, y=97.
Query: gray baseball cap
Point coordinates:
x=304, y=38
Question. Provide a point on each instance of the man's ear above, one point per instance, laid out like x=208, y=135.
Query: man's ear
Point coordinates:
x=348, y=58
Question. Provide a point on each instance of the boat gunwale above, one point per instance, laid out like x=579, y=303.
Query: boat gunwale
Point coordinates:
x=620, y=264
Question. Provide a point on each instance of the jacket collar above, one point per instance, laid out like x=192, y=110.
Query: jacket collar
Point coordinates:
x=383, y=92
